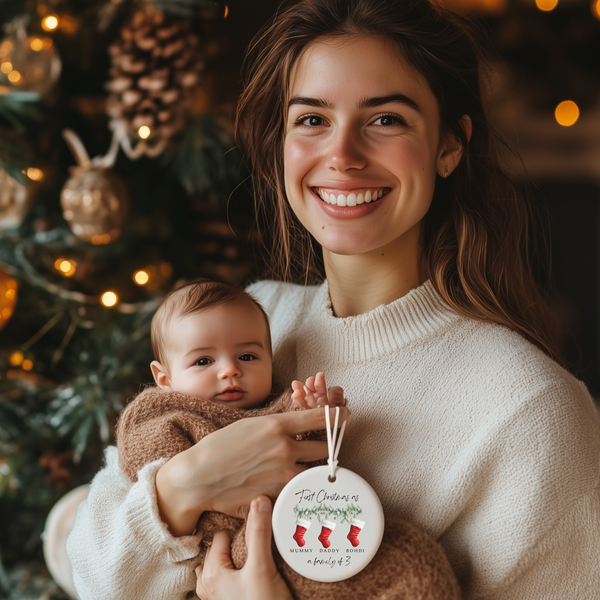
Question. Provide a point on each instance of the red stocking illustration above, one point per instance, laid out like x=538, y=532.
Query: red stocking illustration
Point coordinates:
x=355, y=526
x=326, y=529
x=301, y=526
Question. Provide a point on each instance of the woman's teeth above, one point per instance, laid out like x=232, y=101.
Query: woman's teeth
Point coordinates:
x=350, y=199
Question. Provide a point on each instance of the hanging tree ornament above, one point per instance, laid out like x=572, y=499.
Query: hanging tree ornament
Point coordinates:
x=28, y=63
x=95, y=200
x=13, y=201
x=8, y=297
x=344, y=509
x=155, y=70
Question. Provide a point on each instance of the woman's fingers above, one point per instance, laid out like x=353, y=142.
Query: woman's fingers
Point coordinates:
x=258, y=537
x=293, y=423
x=217, y=561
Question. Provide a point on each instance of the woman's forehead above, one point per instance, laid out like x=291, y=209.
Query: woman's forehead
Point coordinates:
x=355, y=65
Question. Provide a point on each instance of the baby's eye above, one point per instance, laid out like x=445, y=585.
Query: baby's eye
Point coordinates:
x=247, y=357
x=202, y=362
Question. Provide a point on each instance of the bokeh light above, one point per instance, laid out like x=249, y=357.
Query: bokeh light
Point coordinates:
x=566, y=113
x=109, y=299
x=141, y=277
x=50, y=23
x=144, y=132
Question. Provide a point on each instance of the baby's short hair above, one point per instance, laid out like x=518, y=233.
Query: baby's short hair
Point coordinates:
x=195, y=296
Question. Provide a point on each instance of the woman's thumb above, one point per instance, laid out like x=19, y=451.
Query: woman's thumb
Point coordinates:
x=258, y=534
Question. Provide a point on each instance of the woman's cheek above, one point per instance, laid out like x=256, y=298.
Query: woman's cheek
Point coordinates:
x=299, y=157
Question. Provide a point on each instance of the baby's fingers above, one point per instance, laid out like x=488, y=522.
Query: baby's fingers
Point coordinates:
x=299, y=394
x=335, y=396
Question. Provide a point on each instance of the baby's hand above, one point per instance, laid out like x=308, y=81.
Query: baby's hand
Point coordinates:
x=314, y=393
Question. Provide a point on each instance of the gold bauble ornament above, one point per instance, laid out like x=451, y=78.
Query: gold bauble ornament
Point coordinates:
x=8, y=297
x=13, y=201
x=95, y=203
x=29, y=64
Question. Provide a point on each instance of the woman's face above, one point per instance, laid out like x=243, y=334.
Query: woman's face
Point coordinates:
x=362, y=146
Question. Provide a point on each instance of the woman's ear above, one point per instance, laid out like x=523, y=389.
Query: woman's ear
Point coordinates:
x=452, y=149
x=160, y=375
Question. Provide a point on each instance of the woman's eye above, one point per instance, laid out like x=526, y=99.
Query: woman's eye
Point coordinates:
x=310, y=121
x=247, y=357
x=202, y=362
x=389, y=120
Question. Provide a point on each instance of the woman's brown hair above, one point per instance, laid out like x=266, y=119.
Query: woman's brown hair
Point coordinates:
x=476, y=233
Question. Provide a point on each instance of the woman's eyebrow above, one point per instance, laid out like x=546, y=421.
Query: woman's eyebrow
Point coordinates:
x=306, y=101
x=364, y=103
x=391, y=98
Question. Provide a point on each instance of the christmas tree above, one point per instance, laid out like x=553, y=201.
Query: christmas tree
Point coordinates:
x=119, y=177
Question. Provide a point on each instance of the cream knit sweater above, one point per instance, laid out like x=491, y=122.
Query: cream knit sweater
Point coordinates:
x=463, y=428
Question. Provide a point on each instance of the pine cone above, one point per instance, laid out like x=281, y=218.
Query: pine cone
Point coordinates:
x=155, y=68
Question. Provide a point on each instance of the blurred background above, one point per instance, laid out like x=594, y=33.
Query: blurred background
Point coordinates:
x=119, y=177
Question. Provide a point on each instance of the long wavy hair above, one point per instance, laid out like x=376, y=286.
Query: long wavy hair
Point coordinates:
x=476, y=233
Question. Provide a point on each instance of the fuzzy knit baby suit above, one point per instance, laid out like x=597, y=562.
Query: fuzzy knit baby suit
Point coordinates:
x=160, y=424
x=464, y=428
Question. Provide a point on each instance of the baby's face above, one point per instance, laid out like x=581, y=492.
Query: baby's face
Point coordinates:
x=221, y=354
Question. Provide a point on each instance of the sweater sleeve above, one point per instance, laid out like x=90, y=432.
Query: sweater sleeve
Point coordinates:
x=119, y=547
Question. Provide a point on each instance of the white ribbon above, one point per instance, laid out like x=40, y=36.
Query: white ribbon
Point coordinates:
x=332, y=437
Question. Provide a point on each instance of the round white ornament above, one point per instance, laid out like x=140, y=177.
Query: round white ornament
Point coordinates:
x=328, y=522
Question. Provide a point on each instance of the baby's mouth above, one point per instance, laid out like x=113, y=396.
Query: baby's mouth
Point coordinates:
x=337, y=198
x=233, y=393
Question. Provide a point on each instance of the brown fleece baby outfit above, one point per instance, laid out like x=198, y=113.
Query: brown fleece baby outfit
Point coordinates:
x=409, y=565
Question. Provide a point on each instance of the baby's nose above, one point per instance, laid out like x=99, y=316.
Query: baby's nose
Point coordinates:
x=230, y=369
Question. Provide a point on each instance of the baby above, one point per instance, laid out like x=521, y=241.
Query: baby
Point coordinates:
x=213, y=366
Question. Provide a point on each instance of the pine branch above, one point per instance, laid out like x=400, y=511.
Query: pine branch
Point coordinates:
x=322, y=511
x=17, y=105
x=206, y=157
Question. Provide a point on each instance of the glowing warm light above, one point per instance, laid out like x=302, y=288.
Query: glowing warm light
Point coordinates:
x=109, y=299
x=27, y=365
x=166, y=269
x=6, y=313
x=144, y=132
x=226, y=11
x=141, y=277
x=10, y=294
x=65, y=266
x=567, y=113
x=546, y=5
x=16, y=358
x=6, y=67
x=50, y=23
x=35, y=174
x=595, y=6
x=101, y=238
x=36, y=44
x=14, y=76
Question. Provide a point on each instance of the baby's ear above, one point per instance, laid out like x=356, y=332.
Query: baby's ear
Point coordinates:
x=160, y=375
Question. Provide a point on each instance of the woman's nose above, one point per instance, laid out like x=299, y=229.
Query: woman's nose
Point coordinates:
x=229, y=369
x=345, y=150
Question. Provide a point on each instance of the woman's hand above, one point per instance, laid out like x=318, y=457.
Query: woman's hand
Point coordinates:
x=226, y=470
x=259, y=578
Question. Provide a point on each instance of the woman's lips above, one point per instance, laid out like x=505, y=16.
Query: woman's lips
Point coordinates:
x=350, y=212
